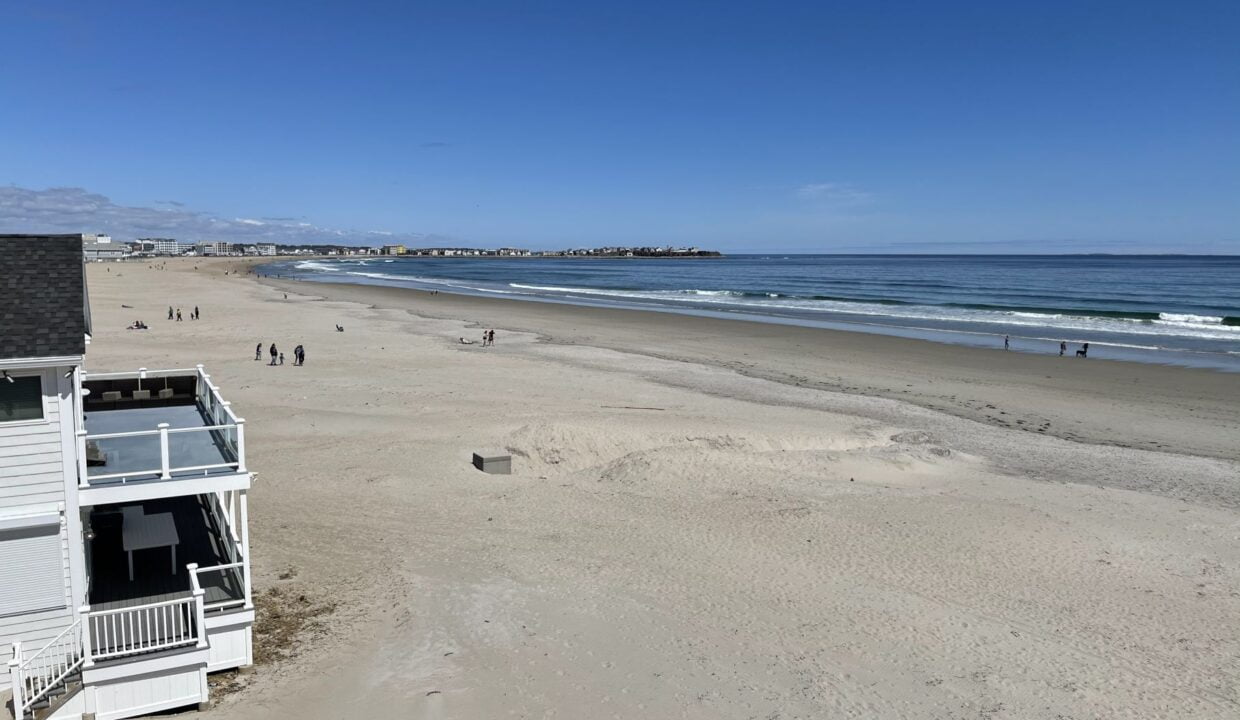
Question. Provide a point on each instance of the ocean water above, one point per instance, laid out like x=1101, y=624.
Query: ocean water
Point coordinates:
x=1182, y=310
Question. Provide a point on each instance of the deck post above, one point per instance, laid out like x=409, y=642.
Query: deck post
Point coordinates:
x=240, y=445
x=16, y=680
x=84, y=614
x=165, y=473
x=83, y=480
x=245, y=548
x=200, y=611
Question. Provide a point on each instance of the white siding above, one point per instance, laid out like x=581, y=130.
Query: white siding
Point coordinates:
x=31, y=459
x=32, y=477
x=147, y=694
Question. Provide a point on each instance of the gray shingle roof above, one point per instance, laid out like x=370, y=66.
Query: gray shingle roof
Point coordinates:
x=43, y=304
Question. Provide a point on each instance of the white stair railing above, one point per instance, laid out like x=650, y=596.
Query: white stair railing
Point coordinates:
x=36, y=676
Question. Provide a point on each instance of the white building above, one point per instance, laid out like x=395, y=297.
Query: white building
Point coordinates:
x=266, y=249
x=215, y=248
x=124, y=541
x=103, y=250
x=168, y=246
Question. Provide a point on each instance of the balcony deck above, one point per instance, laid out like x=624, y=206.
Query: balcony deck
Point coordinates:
x=124, y=443
x=202, y=541
x=140, y=455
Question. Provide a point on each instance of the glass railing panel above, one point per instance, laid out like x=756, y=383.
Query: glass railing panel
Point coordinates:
x=225, y=586
x=134, y=456
x=200, y=447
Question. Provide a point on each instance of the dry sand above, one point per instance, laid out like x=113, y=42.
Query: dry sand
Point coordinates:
x=708, y=519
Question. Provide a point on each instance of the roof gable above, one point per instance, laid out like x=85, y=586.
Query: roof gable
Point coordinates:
x=43, y=311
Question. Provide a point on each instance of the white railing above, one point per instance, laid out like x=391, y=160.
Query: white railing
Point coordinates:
x=143, y=628
x=36, y=676
x=230, y=428
x=142, y=373
x=234, y=544
x=196, y=583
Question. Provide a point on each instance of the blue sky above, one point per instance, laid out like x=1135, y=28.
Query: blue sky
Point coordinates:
x=817, y=126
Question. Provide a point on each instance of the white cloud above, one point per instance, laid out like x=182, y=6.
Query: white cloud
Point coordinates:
x=73, y=210
x=836, y=194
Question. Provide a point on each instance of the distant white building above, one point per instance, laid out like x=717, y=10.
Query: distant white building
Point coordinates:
x=168, y=246
x=266, y=249
x=95, y=249
x=208, y=249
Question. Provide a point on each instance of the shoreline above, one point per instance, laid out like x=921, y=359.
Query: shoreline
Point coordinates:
x=851, y=361
x=1115, y=342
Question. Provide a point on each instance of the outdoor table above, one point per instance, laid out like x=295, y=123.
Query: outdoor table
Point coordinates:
x=140, y=532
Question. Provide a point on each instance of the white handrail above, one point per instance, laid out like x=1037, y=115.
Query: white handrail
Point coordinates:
x=171, y=431
x=126, y=474
x=230, y=426
x=34, y=677
x=227, y=566
x=130, y=375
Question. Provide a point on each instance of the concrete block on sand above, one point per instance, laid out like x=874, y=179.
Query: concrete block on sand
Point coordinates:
x=495, y=462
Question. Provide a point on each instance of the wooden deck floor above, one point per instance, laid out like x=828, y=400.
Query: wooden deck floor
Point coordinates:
x=201, y=541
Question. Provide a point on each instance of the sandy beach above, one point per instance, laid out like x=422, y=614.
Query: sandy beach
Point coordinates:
x=707, y=518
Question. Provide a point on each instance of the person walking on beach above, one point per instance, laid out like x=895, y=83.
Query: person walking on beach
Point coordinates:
x=178, y=314
x=169, y=312
x=297, y=355
x=281, y=358
x=274, y=353
x=195, y=312
x=1007, y=342
x=1063, y=348
x=491, y=337
x=258, y=352
x=484, y=338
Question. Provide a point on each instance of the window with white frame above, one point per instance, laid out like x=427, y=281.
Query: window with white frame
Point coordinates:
x=21, y=397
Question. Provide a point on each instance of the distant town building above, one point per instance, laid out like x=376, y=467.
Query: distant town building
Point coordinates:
x=219, y=248
x=394, y=250
x=94, y=249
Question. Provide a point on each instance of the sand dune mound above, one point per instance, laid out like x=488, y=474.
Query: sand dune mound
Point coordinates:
x=564, y=447
x=639, y=457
